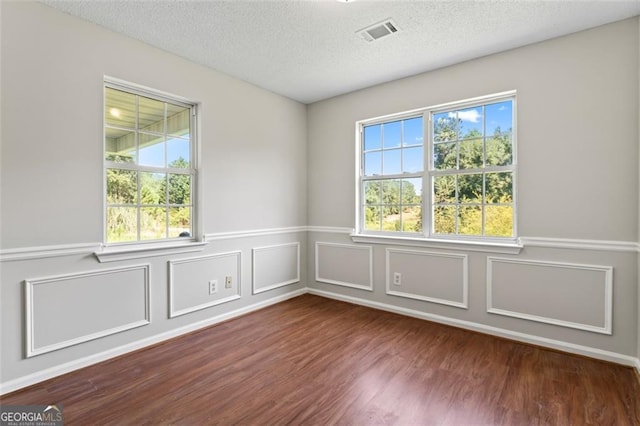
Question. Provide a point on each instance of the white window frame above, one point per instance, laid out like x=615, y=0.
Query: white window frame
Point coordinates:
x=111, y=251
x=426, y=238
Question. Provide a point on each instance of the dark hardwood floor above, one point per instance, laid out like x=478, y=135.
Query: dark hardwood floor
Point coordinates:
x=311, y=360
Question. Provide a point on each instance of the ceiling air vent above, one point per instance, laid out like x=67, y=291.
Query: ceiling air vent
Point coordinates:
x=379, y=30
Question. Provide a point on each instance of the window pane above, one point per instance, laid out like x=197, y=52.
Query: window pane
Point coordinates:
x=444, y=220
x=151, y=152
x=179, y=221
x=412, y=159
x=150, y=115
x=470, y=122
x=120, y=145
x=470, y=220
x=445, y=127
x=122, y=224
x=499, y=117
x=392, y=134
x=152, y=188
x=411, y=191
x=498, y=221
x=391, y=162
x=444, y=189
x=372, y=192
x=178, y=153
x=471, y=154
x=372, y=218
x=122, y=186
x=372, y=137
x=178, y=120
x=499, y=151
x=179, y=189
x=470, y=188
x=153, y=223
x=391, y=192
x=412, y=131
x=373, y=163
x=412, y=219
x=119, y=108
x=445, y=156
x=391, y=218
x=499, y=187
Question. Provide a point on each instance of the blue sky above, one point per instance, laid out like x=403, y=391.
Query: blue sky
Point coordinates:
x=153, y=155
x=495, y=115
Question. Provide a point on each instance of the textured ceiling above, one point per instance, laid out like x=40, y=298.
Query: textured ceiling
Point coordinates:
x=309, y=50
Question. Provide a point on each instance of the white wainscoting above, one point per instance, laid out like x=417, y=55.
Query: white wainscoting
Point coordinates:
x=66, y=310
x=560, y=345
x=189, y=281
x=275, y=266
x=75, y=364
x=345, y=265
x=430, y=276
x=564, y=294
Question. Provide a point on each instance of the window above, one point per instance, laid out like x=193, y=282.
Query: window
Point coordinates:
x=149, y=157
x=467, y=165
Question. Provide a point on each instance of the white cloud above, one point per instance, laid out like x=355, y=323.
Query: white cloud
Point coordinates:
x=471, y=115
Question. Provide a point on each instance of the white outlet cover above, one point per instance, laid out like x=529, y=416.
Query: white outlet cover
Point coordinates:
x=397, y=278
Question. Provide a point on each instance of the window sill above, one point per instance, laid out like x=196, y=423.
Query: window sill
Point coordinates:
x=507, y=247
x=119, y=253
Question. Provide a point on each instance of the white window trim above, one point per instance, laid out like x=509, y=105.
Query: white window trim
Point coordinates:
x=141, y=250
x=138, y=249
x=426, y=239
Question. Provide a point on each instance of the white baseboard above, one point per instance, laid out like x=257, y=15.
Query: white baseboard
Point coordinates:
x=58, y=370
x=637, y=365
x=486, y=329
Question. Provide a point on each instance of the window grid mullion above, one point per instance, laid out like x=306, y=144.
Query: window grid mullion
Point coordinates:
x=166, y=165
x=392, y=177
x=138, y=177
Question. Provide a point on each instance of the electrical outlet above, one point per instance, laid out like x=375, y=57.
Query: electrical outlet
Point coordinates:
x=397, y=278
x=228, y=282
x=213, y=286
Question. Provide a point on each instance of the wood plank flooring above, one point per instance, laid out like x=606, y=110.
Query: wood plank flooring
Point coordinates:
x=313, y=361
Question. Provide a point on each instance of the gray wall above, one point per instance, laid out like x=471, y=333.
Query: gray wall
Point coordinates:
x=75, y=309
x=253, y=142
x=577, y=114
x=575, y=281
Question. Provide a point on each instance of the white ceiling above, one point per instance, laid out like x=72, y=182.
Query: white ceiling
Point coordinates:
x=309, y=50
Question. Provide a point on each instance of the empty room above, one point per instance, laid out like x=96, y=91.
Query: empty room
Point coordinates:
x=320, y=212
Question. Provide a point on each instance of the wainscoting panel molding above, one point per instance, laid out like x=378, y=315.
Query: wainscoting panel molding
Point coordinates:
x=275, y=266
x=564, y=294
x=345, y=265
x=66, y=310
x=201, y=282
x=430, y=276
